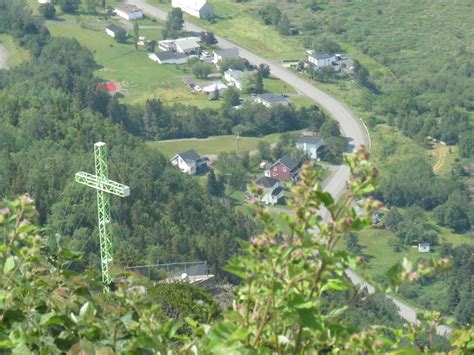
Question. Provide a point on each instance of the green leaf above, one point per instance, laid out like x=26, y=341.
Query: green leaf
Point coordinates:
x=5, y=342
x=9, y=265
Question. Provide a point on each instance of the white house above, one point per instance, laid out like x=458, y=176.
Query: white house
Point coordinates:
x=187, y=45
x=321, y=59
x=225, y=53
x=168, y=58
x=271, y=190
x=310, y=145
x=196, y=8
x=270, y=99
x=210, y=89
x=113, y=29
x=188, y=162
x=44, y=2
x=180, y=45
x=424, y=247
x=129, y=12
x=234, y=78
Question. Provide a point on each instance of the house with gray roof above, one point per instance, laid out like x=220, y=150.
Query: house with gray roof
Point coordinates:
x=235, y=78
x=225, y=53
x=310, y=145
x=189, y=162
x=271, y=190
x=285, y=168
x=270, y=99
x=321, y=60
x=168, y=58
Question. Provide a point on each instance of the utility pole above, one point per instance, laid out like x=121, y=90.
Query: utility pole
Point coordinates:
x=104, y=186
x=238, y=144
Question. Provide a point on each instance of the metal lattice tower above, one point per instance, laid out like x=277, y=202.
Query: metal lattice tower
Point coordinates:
x=104, y=186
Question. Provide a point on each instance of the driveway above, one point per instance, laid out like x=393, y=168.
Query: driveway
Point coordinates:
x=350, y=125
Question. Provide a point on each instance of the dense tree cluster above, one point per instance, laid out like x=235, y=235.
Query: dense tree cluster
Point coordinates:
x=181, y=121
x=271, y=15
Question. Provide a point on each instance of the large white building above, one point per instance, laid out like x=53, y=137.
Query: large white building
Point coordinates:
x=129, y=12
x=196, y=8
x=44, y=2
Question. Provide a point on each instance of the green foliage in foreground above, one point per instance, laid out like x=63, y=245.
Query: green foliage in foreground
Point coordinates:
x=280, y=305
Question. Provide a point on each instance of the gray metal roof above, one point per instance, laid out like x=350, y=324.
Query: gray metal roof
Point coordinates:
x=272, y=98
x=310, y=140
x=321, y=56
x=190, y=155
x=114, y=28
x=267, y=181
x=289, y=162
x=277, y=191
x=169, y=55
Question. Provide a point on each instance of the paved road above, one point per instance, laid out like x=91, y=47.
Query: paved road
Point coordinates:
x=350, y=125
x=3, y=57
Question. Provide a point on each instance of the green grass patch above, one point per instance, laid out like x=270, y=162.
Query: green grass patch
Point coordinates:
x=138, y=77
x=212, y=145
x=277, y=86
x=15, y=54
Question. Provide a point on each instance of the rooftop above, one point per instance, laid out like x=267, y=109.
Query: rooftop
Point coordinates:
x=128, y=8
x=190, y=155
x=266, y=182
x=170, y=55
x=236, y=74
x=187, y=43
x=114, y=28
x=273, y=98
x=321, y=56
x=289, y=162
x=310, y=140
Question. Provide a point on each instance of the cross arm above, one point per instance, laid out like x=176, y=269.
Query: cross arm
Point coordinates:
x=108, y=186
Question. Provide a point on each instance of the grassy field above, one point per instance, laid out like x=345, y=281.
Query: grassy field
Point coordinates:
x=277, y=86
x=233, y=17
x=211, y=145
x=16, y=54
x=138, y=77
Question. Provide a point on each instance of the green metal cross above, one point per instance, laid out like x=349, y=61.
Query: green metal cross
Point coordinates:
x=104, y=186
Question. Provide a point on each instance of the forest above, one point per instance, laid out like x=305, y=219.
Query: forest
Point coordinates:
x=51, y=113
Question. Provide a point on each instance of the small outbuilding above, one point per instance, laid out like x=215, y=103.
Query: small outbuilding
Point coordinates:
x=113, y=29
x=129, y=12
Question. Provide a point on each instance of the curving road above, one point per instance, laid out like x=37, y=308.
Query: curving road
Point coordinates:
x=351, y=127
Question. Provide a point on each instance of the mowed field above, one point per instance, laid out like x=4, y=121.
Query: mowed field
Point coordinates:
x=211, y=145
x=138, y=77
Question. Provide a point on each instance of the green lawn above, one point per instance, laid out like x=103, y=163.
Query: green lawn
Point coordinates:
x=211, y=145
x=138, y=77
x=16, y=54
x=277, y=86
